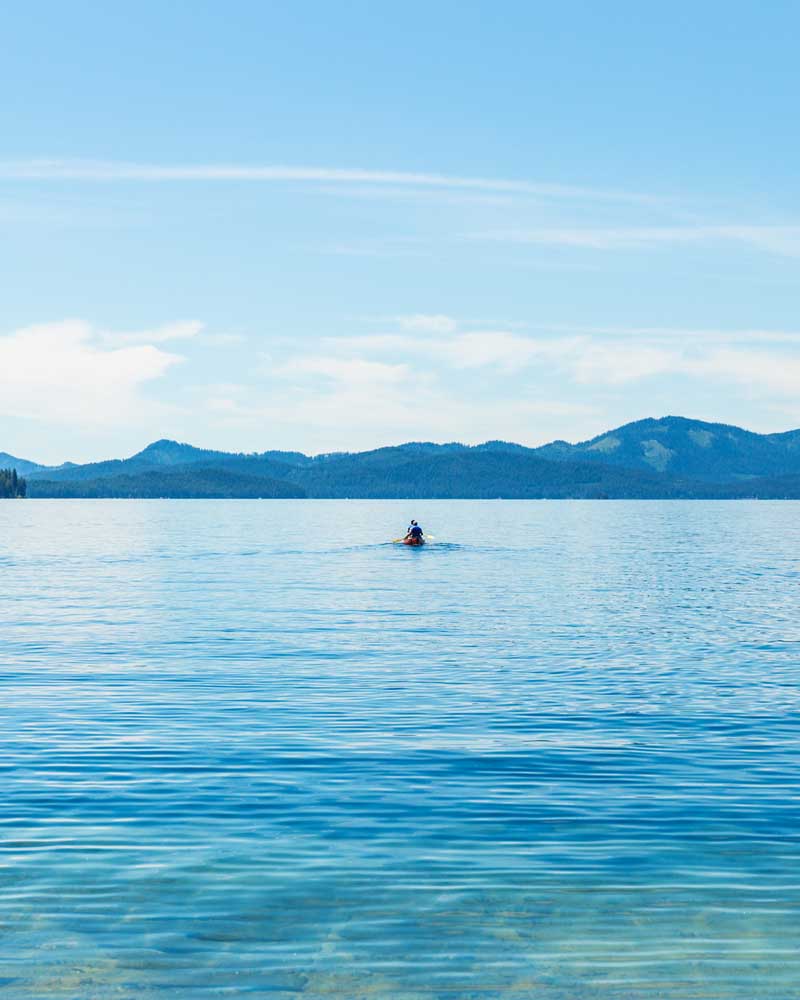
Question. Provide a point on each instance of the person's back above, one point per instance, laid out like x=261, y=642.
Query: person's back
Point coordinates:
x=414, y=531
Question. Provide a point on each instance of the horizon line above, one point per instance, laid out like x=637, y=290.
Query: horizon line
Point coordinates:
x=402, y=444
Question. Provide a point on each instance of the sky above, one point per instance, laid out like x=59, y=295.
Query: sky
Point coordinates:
x=335, y=226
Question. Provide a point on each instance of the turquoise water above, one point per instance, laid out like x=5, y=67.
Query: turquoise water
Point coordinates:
x=249, y=749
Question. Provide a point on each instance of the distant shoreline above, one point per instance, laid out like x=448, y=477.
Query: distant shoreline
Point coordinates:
x=422, y=499
x=669, y=458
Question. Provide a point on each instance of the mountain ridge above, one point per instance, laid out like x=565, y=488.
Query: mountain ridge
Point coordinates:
x=700, y=449
x=22, y=465
x=653, y=457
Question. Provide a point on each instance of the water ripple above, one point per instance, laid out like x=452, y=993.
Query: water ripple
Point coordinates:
x=247, y=752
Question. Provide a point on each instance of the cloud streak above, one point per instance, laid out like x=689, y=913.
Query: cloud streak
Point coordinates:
x=180, y=330
x=111, y=170
x=776, y=239
x=670, y=334
x=427, y=323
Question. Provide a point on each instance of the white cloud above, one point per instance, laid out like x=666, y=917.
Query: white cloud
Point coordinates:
x=783, y=240
x=386, y=193
x=672, y=335
x=105, y=170
x=761, y=372
x=758, y=370
x=355, y=404
x=377, y=246
x=617, y=363
x=428, y=323
x=62, y=372
x=353, y=371
x=475, y=349
x=353, y=392
x=223, y=404
x=756, y=358
x=508, y=351
x=180, y=330
x=376, y=343
x=350, y=397
x=776, y=239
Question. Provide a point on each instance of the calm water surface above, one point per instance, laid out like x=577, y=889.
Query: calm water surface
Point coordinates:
x=249, y=749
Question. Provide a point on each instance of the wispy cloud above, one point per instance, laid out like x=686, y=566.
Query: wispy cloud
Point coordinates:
x=354, y=371
x=597, y=357
x=671, y=334
x=758, y=372
x=385, y=192
x=378, y=246
x=777, y=239
x=427, y=323
x=346, y=402
x=107, y=170
x=180, y=330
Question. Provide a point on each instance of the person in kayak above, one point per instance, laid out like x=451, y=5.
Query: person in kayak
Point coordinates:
x=414, y=533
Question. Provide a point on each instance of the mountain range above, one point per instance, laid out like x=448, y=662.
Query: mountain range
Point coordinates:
x=670, y=457
x=22, y=465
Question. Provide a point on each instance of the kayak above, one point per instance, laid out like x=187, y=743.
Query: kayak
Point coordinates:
x=413, y=541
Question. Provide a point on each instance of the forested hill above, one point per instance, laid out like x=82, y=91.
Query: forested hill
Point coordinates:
x=11, y=485
x=672, y=457
x=163, y=456
x=22, y=465
x=190, y=482
x=683, y=447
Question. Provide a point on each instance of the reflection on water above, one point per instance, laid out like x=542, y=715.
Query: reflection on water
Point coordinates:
x=249, y=748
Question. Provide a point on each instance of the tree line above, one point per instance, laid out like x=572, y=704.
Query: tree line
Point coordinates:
x=11, y=485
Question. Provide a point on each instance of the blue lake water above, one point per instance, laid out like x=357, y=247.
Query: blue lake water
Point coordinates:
x=249, y=749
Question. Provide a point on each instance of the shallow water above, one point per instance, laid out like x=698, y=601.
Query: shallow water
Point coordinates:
x=248, y=748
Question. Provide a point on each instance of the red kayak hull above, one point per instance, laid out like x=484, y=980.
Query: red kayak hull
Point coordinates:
x=413, y=541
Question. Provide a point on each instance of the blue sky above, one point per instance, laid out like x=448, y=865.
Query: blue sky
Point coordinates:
x=335, y=226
